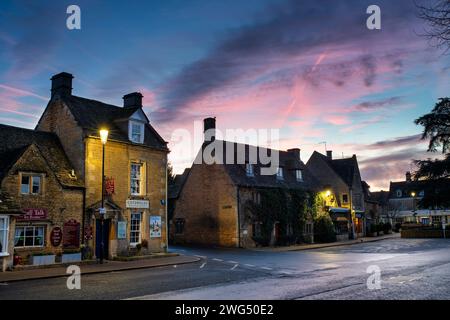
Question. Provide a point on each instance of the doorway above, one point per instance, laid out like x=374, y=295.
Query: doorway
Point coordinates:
x=99, y=235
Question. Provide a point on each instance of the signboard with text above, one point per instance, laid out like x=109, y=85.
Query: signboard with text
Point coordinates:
x=56, y=236
x=121, y=230
x=33, y=214
x=138, y=204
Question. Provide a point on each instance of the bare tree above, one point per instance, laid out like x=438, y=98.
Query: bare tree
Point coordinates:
x=437, y=16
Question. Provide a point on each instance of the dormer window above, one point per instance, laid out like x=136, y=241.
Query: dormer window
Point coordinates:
x=249, y=169
x=280, y=173
x=136, y=132
x=399, y=193
x=299, y=175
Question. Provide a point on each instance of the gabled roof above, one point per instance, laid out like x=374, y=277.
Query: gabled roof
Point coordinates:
x=407, y=187
x=175, y=188
x=288, y=161
x=379, y=196
x=14, y=141
x=92, y=115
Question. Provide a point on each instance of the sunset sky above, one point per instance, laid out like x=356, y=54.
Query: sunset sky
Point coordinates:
x=309, y=68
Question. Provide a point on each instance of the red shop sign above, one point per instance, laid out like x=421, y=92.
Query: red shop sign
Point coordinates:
x=33, y=214
x=56, y=236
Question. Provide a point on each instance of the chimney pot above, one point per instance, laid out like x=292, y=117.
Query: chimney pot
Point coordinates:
x=133, y=99
x=62, y=84
x=295, y=152
x=330, y=154
x=209, y=129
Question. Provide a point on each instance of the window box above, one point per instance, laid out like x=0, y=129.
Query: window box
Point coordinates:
x=71, y=257
x=41, y=260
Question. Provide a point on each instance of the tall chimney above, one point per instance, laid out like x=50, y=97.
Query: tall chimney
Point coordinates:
x=408, y=176
x=209, y=129
x=330, y=154
x=295, y=152
x=133, y=99
x=62, y=84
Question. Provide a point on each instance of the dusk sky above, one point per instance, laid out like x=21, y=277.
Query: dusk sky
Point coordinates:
x=309, y=68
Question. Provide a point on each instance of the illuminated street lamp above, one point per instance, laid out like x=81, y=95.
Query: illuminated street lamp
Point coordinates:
x=413, y=195
x=102, y=211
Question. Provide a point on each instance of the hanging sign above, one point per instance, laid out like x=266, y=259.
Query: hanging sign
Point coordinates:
x=109, y=186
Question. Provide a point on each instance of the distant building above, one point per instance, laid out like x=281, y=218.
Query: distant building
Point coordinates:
x=41, y=194
x=211, y=207
x=346, y=195
x=135, y=167
x=404, y=197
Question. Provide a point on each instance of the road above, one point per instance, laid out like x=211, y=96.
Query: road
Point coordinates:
x=409, y=269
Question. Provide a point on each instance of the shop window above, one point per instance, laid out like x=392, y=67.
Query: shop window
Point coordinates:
x=29, y=236
x=135, y=228
x=179, y=226
x=136, y=179
x=4, y=227
x=30, y=184
x=308, y=228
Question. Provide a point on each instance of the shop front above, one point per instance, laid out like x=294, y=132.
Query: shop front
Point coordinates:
x=341, y=218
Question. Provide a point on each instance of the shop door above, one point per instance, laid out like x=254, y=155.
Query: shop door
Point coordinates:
x=98, y=238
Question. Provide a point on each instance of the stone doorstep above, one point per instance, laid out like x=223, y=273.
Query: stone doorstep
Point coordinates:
x=92, y=261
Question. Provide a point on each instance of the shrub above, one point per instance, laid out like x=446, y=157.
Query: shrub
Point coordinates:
x=397, y=227
x=324, y=230
x=144, y=244
x=387, y=227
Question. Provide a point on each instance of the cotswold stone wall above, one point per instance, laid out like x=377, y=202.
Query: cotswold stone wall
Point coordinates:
x=208, y=204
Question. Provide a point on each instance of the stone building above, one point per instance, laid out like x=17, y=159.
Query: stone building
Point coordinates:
x=41, y=194
x=342, y=179
x=211, y=207
x=135, y=168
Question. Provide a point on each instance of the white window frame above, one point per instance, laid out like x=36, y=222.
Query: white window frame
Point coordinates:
x=141, y=178
x=130, y=130
x=4, y=241
x=29, y=227
x=299, y=175
x=141, y=214
x=31, y=179
x=280, y=173
x=249, y=170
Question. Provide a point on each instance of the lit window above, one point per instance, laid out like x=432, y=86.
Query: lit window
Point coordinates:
x=135, y=179
x=345, y=198
x=4, y=228
x=136, y=130
x=299, y=175
x=30, y=184
x=29, y=236
x=249, y=169
x=135, y=228
x=279, y=173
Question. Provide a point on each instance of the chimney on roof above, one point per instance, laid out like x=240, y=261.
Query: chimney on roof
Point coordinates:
x=330, y=154
x=295, y=152
x=62, y=84
x=408, y=176
x=209, y=129
x=133, y=99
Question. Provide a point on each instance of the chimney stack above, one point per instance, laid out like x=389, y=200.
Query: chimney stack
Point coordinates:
x=62, y=84
x=133, y=99
x=408, y=176
x=209, y=129
x=295, y=152
x=330, y=154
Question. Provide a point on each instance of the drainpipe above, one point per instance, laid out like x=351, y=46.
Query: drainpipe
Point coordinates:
x=238, y=218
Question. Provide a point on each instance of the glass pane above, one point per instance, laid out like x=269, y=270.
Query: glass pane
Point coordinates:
x=39, y=239
x=29, y=232
x=25, y=186
x=2, y=239
x=2, y=224
x=36, y=184
x=28, y=241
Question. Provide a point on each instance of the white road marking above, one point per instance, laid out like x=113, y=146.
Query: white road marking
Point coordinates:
x=3, y=284
x=215, y=259
x=249, y=265
x=201, y=267
x=231, y=261
x=203, y=257
x=266, y=268
x=235, y=266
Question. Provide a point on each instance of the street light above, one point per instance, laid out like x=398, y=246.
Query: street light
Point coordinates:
x=104, y=139
x=413, y=195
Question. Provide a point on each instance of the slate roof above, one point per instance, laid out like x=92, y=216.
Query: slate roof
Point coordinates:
x=345, y=168
x=380, y=197
x=288, y=161
x=175, y=188
x=14, y=141
x=92, y=115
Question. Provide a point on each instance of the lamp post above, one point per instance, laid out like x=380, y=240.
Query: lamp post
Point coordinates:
x=104, y=139
x=413, y=195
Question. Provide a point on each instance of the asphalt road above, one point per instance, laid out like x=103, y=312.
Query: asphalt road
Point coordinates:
x=409, y=269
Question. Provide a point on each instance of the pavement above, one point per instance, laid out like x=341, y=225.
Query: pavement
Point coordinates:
x=107, y=266
x=328, y=245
